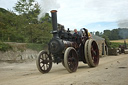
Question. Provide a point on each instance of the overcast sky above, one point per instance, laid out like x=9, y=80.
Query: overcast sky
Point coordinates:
x=95, y=15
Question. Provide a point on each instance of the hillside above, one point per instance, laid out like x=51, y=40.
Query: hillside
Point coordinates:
x=24, y=28
x=20, y=51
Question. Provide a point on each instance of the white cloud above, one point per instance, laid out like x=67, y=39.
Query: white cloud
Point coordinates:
x=7, y=4
x=80, y=13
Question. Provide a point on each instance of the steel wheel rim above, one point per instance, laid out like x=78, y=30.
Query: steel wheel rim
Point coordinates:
x=95, y=53
x=71, y=59
x=72, y=62
x=44, y=62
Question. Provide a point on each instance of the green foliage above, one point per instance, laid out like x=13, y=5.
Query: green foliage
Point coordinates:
x=115, y=45
x=25, y=6
x=107, y=41
x=37, y=47
x=97, y=33
x=116, y=34
x=4, y=47
x=25, y=28
x=107, y=33
x=38, y=33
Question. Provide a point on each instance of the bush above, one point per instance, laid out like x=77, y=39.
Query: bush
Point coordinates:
x=37, y=47
x=116, y=44
x=4, y=47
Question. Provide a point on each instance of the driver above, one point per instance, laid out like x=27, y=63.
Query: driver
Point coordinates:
x=76, y=32
x=76, y=36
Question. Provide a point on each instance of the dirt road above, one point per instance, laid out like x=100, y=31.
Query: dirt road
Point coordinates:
x=112, y=70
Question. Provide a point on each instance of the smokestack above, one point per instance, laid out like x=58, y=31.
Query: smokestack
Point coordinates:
x=54, y=23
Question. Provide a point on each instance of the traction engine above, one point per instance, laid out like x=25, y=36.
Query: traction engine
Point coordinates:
x=68, y=49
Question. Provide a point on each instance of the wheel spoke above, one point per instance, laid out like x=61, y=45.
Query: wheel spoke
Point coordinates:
x=42, y=66
x=41, y=57
x=44, y=62
x=71, y=59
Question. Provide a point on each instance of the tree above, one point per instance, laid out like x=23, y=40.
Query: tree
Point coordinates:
x=107, y=41
x=7, y=24
x=25, y=6
x=107, y=33
x=29, y=9
x=114, y=34
x=97, y=33
x=20, y=28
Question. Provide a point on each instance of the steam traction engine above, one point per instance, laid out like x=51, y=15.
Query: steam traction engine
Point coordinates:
x=69, y=49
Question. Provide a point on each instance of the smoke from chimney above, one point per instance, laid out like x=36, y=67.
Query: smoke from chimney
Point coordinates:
x=47, y=6
x=123, y=33
x=123, y=23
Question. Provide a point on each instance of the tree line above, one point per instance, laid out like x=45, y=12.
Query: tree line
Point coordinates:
x=24, y=26
x=115, y=34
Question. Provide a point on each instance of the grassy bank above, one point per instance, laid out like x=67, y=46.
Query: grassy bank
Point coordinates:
x=116, y=43
x=37, y=47
x=5, y=46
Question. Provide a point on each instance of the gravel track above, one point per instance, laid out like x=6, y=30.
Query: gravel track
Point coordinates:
x=112, y=70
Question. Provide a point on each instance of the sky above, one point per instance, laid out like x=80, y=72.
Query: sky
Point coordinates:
x=95, y=15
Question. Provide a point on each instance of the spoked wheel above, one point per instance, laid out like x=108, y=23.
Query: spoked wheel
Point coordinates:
x=44, y=62
x=92, y=53
x=71, y=59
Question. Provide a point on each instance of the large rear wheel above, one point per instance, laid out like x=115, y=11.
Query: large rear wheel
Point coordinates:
x=92, y=53
x=44, y=62
x=86, y=52
x=71, y=59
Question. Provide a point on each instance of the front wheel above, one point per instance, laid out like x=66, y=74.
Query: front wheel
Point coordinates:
x=71, y=59
x=44, y=62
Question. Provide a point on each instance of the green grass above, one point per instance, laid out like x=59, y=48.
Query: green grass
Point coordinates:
x=37, y=47
x=116, y=44
x=4, y=47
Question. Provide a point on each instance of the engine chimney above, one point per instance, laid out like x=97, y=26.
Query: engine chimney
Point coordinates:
x=54, y=23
